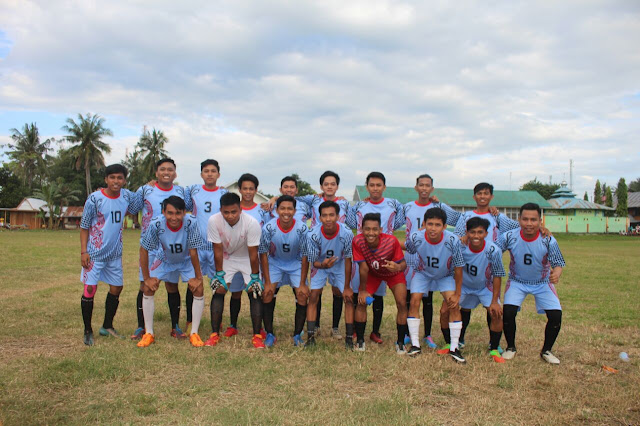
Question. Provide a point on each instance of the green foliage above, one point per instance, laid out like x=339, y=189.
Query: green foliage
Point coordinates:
x=62, y=166
x=597, y=193
x=544, y=189
x=49, y=194
x=586, y=197
x=634, y=185
x=621, y=195
x=152, y=148
x=136, y=177
x=609, y=201
x=28, y=155
x=304, y=187
x=12, y=191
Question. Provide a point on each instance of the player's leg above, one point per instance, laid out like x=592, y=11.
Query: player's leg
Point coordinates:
x=349, y=317
x=197, y=308
x=427, y=314
x=216, y=309
x=300, y=317
x=173, y=300
x=319, y=310
x=153, y=266
x=268, y=306
x=86, y=305
x=378, y=310
x=466, y=319
x=547, y=301
x=514, y=295
x=148, y=310
x=468, y=301
x=444, y=327
x=312, y=315
x=419, y=286
x=495, y=334
x=360, y=322
x=455, y=326
x=235, y=303
x=399, y=291
x=338, y=301
x=111, y=274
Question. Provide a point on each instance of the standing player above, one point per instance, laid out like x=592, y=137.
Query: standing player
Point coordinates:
x=379, y=257
x=392, y=217
x=482, y=195
x=289, y=186
x=248, y=186
x=329, y=250
x=439, y=251
x=205, y=202
x=150, y=199
x=481, y=281
x=414, y=214
x=281, y=250
x=235, y=236
x=101, y=247
x=177, y=237
x=536, y=266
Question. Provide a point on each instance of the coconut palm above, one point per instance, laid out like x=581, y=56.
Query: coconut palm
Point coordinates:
x=28, y=154
x=49, y=194
x=66, y=195
x=152, y=148
x=88, y=147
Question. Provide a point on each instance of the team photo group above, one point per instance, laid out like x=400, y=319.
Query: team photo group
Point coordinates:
x=205, y=232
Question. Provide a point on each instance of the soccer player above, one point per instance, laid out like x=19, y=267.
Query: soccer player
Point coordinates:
x=101, y=247
x=329, y=250
x=150, y=199
x=289, y=186
x=535, y=268
x=235, y=236
x=379, y=258
x=481, y=281
x=392, y=217
x=205, y=202
x=178, y=238
x=281, y=250
x=414, y=214
x=248, y=186
x=439, y=251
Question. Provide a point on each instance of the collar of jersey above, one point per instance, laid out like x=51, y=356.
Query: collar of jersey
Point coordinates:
x=280, y=227
x=165, y=190
x=434, y=244
x=527, y=240
x=381, y=200
x=210, y=190
x=422, y=205
x=476, y=212
x=175, y=230
x=484, y=244
x=334, y=235
x=112, y=198
x=249, y=208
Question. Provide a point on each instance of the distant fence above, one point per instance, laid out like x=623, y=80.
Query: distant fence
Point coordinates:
x=586, y=225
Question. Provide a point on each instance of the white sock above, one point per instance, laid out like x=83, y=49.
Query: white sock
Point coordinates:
x=196, y=312
x=455, y=330
x=148, y=308
x=414, y=330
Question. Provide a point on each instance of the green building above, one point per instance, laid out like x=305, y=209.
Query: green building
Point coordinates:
x=564, y=203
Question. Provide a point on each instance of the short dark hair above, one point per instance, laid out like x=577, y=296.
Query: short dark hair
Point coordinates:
x=377, y=175
x=436, y=213
x=174, y=201
x=209, y=162
x=114, y=169
x=248, y=177
x=285, y=198
x=165, y=160
x=229, y=199
x=372, y=216
x=327, y=174
x=424, y=176
x=531, y=206
x=329, y=204
x=287, y=179
x=476, y=221
x=481, y=186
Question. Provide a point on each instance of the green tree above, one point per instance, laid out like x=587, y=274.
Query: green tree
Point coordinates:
x=136, y=177
x=544, y=189
x=66, y=195
x=62, y=166
x=621, y=195
x=597, y=193
x=12, y=191
x=634, y=185
x=609, y=201
x=28, y=155
x=86, y=136
x=49, y=194
x=586, y=197
x=304, y=187
x=152, y=148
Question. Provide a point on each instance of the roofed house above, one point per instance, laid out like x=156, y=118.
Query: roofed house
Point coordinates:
x=258, y=198
x=633, y=206
x=565, y=203
x=26, y=213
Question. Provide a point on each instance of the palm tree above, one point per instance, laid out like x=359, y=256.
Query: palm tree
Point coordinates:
x=49, y=194
x=28, y=154
x=66, y=195
x=151, y=145
x=133, y=163
x=86, y=136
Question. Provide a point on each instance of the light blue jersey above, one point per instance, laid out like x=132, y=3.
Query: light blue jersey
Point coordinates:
x=174, y=245
x=391, y=214
x=258, y=214
x=284, y=248
x=497, y=224
x=314, y=201
x=480, y=267
x=302, y=214
x=320, y=247
x=103, y=216
x=435, y=260
x=151, y=199
x=205, y=203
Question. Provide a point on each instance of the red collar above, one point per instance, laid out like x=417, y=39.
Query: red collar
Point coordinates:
x=422, y=205
x=434, y=244
x=334, y=235
x=175, y=230
x=484, y=244
x=531, y=240
x=282, y=229
x=105, y=194
x=210, y=190
x=381, y=200
x=165, y=190
x=249, y=208
x=481, y=213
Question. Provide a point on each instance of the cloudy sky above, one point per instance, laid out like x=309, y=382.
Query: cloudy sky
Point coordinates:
x=465, y=91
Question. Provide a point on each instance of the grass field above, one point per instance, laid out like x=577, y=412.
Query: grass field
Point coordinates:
x=48, y=376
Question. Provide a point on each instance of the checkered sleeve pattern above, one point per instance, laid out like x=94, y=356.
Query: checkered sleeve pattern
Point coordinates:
x=555, y=255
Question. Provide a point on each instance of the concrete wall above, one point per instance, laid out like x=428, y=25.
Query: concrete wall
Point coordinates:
x=585, y=224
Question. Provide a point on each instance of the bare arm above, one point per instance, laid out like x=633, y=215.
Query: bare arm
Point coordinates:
x=218, y=255
x=84, y=256
x=253, y=257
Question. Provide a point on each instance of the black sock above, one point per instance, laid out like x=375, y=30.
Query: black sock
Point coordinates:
x=173, y=299
x=311, y=328
x=110, y=307
x=189, y=302
x=268, y=315
x=409, y=300
x=466, y=319
x=217, y=306
x=301, y=316
x=139, y=310
x=360, y=326
x=447, y=335
x=427, y=313
x=488, y=320
x=86, y=304
x=403, y=330
x=509, y=313
x=338, y=301
x=349, y=330
x=494, y=339
x=234, y=311
x=378, y=308
x=551, y=331
x=255, y=308
x=319, y=309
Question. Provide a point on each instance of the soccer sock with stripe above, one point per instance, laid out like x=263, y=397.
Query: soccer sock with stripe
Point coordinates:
x=148, y=308
x=378, y=308
x=413, y=324
x=234, y=311
x=360, y=326
x=255, y=308
x=403, y=329
x=427, y=313
x=86, y=304
x=110, y=307
x=466, y=319
x=268, y=315
x=197, y=308
x=301, y=316
x=338, y=302
x=139, y=309
x=456, y=328
x=349, y=330
x=173, y=299
x=311, y=328
x=189, y=304
x=216, y=308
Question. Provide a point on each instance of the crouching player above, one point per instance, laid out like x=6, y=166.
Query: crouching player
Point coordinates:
x=379, y=258
x=535, y=268
x=178, y=237
x=235, y=236
x=101, y=247
x=328, y=249
x=281, y=257
x=439, y=251
x=481, y=281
